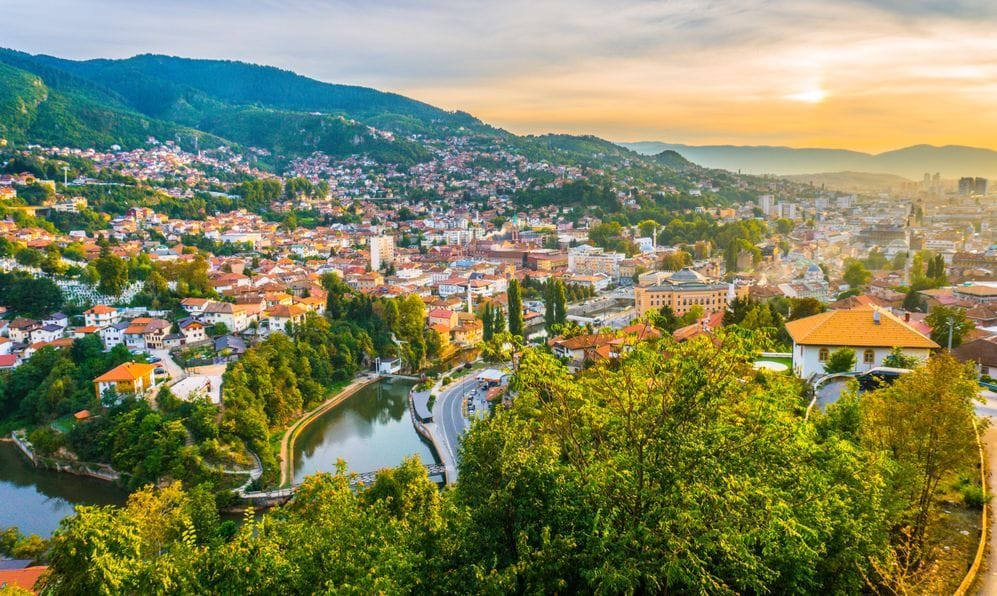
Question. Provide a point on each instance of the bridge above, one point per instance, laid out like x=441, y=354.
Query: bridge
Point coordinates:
x=282, y=495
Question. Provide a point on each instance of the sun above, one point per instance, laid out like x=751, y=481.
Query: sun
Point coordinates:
x=814, y=95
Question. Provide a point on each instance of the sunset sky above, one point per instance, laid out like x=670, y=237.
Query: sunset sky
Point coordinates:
x=867, y=74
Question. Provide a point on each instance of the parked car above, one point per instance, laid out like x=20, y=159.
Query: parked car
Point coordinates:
x=880, y=376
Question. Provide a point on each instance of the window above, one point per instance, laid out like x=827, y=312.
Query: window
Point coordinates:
x=868, y=357
x=823, y=354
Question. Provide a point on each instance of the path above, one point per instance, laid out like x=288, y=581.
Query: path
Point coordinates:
x=172, y=368
x=988, y=579
x=287, y=441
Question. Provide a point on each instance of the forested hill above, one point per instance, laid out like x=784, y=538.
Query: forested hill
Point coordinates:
x=101, y=102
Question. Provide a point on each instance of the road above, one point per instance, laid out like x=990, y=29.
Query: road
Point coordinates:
x=988, y=583
x=166, y=361
x=449, y=422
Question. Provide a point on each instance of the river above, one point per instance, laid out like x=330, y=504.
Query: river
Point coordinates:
x=35, y=500
x=369, y=431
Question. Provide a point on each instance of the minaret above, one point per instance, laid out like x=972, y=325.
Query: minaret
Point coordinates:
x=470, y=307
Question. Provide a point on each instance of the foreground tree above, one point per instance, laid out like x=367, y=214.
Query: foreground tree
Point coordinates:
x=924, y=421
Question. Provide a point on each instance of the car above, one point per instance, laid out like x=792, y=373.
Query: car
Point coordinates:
x=879, y=377
x=154, y=359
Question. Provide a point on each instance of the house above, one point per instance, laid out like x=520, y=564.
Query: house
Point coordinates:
x=19, y=330
x=982, y=352
x=234, y=345
x=57, y=319
x=192, y=330
x=233, y=316
x=113, y=335
x=469, y=331
x=9, y=361
x=443, y=316
x=130, y=378
x=22, y=578
x=280, y=316
x=101, y=316
x=195, y=306
x=582, y=349
x=146, y=333
x=46, y=333
x=871, y=332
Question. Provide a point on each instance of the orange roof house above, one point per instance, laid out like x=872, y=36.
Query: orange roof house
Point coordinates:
x=25, y=578
x=129, y=378
x=871, y=332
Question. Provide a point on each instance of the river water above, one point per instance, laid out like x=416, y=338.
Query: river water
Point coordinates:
x=371, y=430
x=35, y=500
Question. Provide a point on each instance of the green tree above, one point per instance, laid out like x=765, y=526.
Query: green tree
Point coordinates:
x=943, y=318
x=923, y=422
x=113, y=272
x=897, y=359
x=514, y=294
x=856, y=275
x=840, y=360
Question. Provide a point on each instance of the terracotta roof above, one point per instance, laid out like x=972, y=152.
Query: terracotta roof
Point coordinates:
x=101, y=309
x=856, y=327
x=22, y=578
x=129, y=371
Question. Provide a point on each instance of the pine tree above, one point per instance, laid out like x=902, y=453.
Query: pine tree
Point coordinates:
x=487, y=323
x=515, y=308
x=560, y=303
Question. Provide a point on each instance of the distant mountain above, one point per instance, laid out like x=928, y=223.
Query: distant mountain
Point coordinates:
x=952, y=161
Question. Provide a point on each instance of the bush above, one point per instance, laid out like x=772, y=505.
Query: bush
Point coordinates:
x=974, y=496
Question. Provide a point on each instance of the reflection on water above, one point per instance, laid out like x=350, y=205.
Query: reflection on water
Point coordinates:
x=35, y=500
x=369, y=431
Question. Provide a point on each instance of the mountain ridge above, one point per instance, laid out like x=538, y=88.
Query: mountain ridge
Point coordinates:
x=951, y=161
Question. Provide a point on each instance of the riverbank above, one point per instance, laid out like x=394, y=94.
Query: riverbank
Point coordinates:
x=98, y=471
x=287, y=441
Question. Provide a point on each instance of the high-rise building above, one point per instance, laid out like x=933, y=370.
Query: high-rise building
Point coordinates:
x=973, y=186
x=382, y=250
x=766, y=203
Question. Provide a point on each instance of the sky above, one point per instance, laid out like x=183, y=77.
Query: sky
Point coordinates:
x=870, y=75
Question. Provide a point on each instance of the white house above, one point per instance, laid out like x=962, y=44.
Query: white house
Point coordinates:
x=872, y=333
x=101, y=315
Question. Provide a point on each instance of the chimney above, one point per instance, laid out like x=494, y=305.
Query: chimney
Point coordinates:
x=906, y=317
x=875, y=317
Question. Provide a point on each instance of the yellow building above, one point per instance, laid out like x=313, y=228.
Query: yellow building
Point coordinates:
x=681, y=291
x=129, y=378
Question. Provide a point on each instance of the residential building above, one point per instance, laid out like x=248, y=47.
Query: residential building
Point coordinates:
x=871, y=332
x=101, y=315
x=130, y=378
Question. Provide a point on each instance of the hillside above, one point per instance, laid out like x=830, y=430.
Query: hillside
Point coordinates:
x=952, y=161
x=103, y=102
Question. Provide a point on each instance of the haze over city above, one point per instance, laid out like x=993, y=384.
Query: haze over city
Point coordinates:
x=802, y=74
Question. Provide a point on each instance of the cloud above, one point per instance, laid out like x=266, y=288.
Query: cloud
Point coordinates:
x=683, y=70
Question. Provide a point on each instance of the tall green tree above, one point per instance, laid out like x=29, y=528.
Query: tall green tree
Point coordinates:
x=515, y=296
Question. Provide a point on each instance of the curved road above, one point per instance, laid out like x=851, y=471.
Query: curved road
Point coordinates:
x=449, y=422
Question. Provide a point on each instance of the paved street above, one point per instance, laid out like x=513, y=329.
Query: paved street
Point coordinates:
x=449, y=422
x=166, y=361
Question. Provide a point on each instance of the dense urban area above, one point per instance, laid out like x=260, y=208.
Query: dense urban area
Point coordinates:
x=633, y=373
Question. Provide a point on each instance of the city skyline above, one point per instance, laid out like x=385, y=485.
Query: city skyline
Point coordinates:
x=810, y=74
